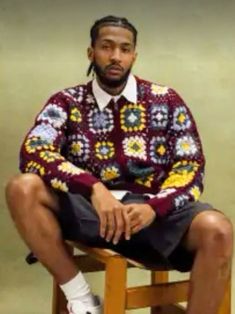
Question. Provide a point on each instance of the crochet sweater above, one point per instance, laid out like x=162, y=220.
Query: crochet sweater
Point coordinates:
x=151, y=146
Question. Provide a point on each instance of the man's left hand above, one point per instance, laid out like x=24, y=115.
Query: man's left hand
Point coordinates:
x=139, y=216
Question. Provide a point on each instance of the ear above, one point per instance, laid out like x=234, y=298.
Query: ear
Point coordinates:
x=90, y=54
x=134, y=57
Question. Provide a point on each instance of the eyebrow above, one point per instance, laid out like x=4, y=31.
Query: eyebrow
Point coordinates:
x=110, y=41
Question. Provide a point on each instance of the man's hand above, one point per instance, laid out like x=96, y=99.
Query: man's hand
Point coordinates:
x=110, y=212
x=138, y=217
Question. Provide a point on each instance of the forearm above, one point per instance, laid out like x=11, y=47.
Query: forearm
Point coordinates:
x=56, y=171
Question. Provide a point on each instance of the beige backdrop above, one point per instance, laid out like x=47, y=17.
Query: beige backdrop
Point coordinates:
x=188, y=45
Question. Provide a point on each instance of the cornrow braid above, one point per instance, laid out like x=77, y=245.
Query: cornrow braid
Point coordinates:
x=110, y=20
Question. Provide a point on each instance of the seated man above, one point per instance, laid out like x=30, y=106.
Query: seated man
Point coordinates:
x=118, y=163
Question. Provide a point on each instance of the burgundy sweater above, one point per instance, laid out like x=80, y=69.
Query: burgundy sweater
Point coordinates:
x=149, y=147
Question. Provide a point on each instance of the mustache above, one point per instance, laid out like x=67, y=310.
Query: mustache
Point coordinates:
x=114, y=65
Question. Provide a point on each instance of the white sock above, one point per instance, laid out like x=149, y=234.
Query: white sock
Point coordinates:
x=78, y=289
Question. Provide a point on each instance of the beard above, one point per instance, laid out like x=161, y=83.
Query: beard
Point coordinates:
x=112, y=83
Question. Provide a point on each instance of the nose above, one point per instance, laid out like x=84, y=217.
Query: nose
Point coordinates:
x=116, y=55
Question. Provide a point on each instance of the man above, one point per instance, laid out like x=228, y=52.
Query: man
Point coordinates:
x=118, y=163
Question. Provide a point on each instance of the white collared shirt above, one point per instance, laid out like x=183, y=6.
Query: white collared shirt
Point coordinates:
x=103, y=98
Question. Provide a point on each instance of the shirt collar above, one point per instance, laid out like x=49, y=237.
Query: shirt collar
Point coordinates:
x=103, y=98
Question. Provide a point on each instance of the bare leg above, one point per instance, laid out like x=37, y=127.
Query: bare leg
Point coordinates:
x=31, y=204
x=211, y=236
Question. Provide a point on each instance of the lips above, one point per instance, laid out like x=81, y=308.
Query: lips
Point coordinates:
x=114, y=69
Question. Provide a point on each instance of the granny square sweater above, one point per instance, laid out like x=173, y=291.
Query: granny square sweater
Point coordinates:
x=151, y=146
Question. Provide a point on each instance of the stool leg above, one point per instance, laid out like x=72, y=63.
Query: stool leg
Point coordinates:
x=225, y=307
x=158, y=277
x=115, y=286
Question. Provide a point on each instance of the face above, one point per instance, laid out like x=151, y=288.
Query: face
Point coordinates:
x=113, y=55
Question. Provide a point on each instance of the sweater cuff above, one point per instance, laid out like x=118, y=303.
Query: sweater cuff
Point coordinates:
x=83, y=184
x=160, y=206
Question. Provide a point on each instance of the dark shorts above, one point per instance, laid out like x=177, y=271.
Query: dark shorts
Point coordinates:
x=159, y=245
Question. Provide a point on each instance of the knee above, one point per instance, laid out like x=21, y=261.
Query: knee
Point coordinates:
x=22, y=187
x=216, y=234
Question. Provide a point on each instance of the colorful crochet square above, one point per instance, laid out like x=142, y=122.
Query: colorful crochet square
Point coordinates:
x=100, y=121
x=110, y=172
x=104, y=150
x=158, y=116
x=158, y=150
x=54, y=115
x=181, y=120
x=133, y=118
x=135, y=146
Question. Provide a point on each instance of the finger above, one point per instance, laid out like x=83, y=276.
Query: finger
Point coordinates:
x=134, y=222
x=127, y=225
x=119, y=220
x=110, y=226
x=129, y=208
x=103, y=222
x=136, y=228
x=133, y=215
x=132, y=211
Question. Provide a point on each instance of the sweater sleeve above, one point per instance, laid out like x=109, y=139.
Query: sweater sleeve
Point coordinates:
x=41, y=150
x=184, y=180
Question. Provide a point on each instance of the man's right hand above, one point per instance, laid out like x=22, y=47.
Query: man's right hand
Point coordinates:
x=113, y=223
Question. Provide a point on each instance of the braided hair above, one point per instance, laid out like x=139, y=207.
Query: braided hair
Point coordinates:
x=109, y=20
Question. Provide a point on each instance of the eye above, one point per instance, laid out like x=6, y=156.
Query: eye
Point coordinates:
x=126, y=49
x=105, y=47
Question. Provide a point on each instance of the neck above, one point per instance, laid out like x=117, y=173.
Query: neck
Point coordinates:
x=111, y=90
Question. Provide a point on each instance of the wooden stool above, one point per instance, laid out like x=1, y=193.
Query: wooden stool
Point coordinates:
x=161, y=295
